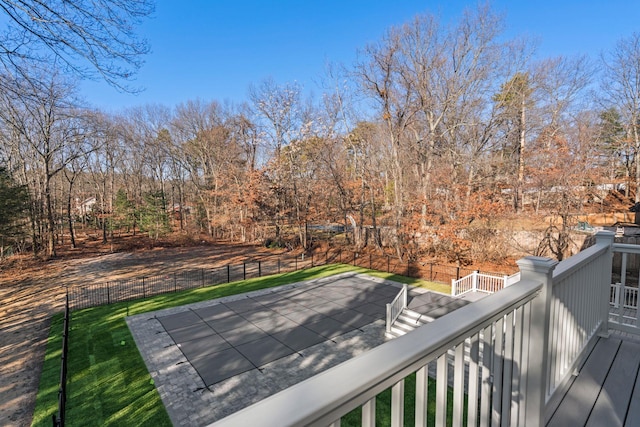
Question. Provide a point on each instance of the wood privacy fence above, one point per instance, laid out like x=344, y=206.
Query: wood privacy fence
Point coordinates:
x=91, y=295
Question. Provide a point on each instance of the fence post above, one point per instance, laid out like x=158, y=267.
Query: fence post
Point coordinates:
x=228, y=273
x=453, y=287
x=458, y=273
x=62, y=389
x=259, y=269
x=370, y=262
x=388, y=264
x=296, y=263
x=278, y=265
x=108, y=294
x=311, y=259
x=355, y=255
x=144, y=289
x=536, y=367
x=175, y=282
x=244, y=271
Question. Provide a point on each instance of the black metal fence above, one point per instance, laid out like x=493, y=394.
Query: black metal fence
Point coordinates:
x=430, y=271
x=85, y=296
x=91, y=295
x=59, y=419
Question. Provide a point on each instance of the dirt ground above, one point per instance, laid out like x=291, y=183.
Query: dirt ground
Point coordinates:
x=30, y=292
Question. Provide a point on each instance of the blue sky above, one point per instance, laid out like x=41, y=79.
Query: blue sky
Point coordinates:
x=215, y=49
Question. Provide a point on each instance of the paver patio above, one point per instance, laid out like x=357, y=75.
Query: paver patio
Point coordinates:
x=213, y=358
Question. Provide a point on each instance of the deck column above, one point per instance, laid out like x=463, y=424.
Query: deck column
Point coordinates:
x=535, y=368
x=606, y=238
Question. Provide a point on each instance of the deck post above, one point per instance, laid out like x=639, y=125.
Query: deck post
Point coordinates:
x=535, y=368
x=388, y=326
x=606, y=238
x=404, y=296
x=475, y=280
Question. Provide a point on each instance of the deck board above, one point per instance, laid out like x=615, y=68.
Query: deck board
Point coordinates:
x=577, y=404
x=611, y=406
x=633, y=413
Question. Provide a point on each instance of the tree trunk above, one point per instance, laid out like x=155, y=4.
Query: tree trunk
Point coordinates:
x=70, y=218
x=636, y=139
x=521, y=152
x=51, y=242
x=104, y=229
x=376, y=233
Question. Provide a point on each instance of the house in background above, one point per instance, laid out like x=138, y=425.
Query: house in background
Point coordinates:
x=84, y=207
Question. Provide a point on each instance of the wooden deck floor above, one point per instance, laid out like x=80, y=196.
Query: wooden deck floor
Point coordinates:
x=607, y=390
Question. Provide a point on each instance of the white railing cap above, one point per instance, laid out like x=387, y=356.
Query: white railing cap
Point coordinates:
x=536, y=264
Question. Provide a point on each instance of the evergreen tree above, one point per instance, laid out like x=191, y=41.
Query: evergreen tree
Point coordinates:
x=123, y=211
x=514, y=99
x=153, y=216
x=14, y=200
x=618, y=152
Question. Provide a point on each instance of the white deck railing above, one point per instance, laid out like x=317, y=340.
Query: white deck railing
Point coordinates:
x=394, y=309
x=521, y=345
x=624, y=314
x=479, y=282
x=578, y=311
x=510, y=280
x=323, y=399
x=625, y=295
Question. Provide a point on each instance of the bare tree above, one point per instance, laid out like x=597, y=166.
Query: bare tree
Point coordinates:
x=212, y=146
x=89, y=37
x=378, y=75
x=282, y=120
x=431, y=85
x=621, y=89
x=50, y=134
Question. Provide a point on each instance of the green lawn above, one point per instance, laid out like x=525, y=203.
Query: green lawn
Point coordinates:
x=108, y=383
x=383, y=406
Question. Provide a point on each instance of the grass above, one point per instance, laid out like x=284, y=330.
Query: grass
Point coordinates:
x=383, y=406
x=108, y=383
x=433, y=286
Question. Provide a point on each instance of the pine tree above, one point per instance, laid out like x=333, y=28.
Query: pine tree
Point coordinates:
x=14, y=200
x=123, y=211
x=153, y=216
